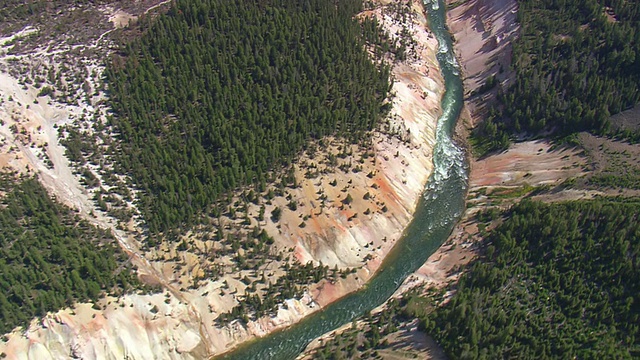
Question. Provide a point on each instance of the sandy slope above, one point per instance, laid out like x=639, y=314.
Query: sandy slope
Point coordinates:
x=483, y=31
x=531, y=162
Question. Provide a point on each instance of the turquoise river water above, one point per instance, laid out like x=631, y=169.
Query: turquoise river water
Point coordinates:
x=435, y=217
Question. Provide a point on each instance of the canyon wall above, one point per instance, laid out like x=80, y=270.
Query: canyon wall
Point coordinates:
x=384, y=182
x=483, y=32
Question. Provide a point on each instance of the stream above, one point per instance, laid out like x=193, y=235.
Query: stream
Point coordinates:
x=438, y=211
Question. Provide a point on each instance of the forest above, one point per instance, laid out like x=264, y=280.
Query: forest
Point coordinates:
x=49, y=258
x=576, y=63
x=555, y=281
x=215, y=95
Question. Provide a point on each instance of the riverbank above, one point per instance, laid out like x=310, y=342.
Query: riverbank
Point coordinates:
x=483, y=31
x=478, y=28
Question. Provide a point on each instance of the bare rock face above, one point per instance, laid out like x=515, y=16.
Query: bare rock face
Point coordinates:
x=131, y=331
x=347, y=216
x=483, y=31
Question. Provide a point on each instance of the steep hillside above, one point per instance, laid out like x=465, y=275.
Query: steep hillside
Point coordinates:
x=271, y=255
x=49, y=258
x=216, y=95
x=574, y=66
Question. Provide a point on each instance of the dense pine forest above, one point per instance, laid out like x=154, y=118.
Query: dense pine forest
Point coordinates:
x=557, y=281
x=216, y=94
x=49, y=258
x=576, y=63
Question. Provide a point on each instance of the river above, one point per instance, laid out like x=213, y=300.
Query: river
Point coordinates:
x=435, y=217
